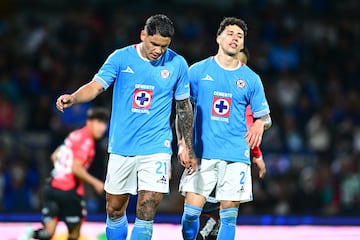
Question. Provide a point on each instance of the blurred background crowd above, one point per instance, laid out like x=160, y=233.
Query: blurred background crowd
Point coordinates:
x=306, y=51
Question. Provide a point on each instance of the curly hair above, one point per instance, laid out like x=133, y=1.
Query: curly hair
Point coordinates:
x=232, y=21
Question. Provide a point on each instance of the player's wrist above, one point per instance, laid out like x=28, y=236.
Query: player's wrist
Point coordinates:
x=258, y=158
x=73, y=99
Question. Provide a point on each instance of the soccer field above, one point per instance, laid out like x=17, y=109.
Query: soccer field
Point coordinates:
x=95, y=231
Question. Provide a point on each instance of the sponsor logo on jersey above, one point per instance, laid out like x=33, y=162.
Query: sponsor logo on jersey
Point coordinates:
x=128, y=70
x=142, y=98
x=162, y=180
x=221, y=106
x=207, y=78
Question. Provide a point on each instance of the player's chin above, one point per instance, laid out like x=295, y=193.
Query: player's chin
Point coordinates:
x=232, y=53
x=98, y=136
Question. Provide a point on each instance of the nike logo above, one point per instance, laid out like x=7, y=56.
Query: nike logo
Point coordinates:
x=207, y=78
x=128, y=70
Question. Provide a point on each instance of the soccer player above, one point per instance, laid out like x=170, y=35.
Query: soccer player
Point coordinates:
x=63, y=192
x=146, y=76
x=222, y=87
x=209, y=218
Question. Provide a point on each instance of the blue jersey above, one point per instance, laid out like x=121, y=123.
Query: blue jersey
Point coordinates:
x=221, y=97
x=142, y=99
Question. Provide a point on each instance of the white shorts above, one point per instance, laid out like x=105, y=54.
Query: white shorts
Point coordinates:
x=132, y=174
x=232, y=180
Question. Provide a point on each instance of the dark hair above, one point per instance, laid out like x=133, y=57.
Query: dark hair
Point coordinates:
x=232, y=21
x=159, y=24
x=246, y=52
x=99, y=113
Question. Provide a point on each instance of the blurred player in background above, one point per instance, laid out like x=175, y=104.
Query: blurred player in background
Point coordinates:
x=63, y=193
x=147, y=77
x=222, y=87
x=209, y=218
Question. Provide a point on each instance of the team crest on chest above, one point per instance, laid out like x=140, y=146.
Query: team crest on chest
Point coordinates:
x=240, y=83
x=164, y=73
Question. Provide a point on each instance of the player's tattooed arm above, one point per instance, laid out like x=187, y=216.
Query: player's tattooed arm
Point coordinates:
x=184, y=122
x=266, y=120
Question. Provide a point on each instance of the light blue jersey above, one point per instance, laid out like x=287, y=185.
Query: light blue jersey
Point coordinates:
x=142, y=99
x=221, y=97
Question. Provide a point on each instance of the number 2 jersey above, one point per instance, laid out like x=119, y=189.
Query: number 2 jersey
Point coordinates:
x=79, y=145
x=143, y=92
x=221, y=97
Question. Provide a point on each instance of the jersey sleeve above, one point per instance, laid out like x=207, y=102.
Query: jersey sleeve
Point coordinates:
x=182, y=90
x=258, y=102
x=109, y=70
x=193, y=84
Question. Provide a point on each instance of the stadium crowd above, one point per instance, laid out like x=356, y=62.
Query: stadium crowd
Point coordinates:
x=307, y=53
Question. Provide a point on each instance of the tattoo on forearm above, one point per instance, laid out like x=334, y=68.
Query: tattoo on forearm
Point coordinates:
x=185, y=121
x=267, y=121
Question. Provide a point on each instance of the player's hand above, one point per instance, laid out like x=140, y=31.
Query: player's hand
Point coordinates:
x=254, y=134
x=98, y=187
x=64, y=101
x=260, y=165
x=186, y=158
x=192, y=166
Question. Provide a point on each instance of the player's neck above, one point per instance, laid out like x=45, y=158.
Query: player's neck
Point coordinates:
x=226, y=61
x=141, y=51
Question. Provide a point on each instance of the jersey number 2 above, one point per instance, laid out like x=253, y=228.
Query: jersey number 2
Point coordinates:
x=242, y=177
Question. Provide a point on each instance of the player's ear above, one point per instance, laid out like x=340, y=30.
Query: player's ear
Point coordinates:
x=217, y=39
x=143, y=34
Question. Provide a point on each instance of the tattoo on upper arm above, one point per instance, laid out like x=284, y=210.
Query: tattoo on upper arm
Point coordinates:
x=185, y=115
